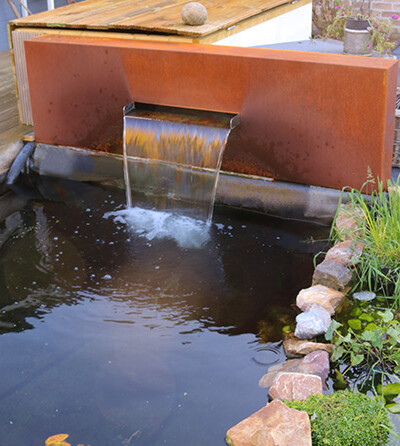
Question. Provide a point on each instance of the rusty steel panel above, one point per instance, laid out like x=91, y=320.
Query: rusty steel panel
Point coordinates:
x=319, y=119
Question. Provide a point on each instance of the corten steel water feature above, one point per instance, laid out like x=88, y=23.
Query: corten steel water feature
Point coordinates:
x=319, y=119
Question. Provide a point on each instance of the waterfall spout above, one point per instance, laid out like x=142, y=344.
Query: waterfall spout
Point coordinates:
x=174, y=156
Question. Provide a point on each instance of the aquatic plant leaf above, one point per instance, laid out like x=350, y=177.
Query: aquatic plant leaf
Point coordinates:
x=355, y=324
x=341, y=382
x=391, y=389
x=343, y=339
x=393, y=408
x=371, y=326
x=356, y=359
x=386, y=315
x=57, y=440
x=332, y=328
x=366, y=317
x=369, y=335
x=337, y=353
x=394, y=333
x=356, y=312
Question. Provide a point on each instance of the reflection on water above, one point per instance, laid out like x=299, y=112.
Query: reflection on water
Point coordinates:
x=112, y=336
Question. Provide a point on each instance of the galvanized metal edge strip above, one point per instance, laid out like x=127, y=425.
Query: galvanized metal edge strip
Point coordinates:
x=259, y=194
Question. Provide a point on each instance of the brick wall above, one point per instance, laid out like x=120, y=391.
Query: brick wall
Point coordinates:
x=383, y=9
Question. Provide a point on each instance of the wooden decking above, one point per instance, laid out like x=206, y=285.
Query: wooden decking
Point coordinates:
x=149, y=16
x=10, y=129
x=8, y=100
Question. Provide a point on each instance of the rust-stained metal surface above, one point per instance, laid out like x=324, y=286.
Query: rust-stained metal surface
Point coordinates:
x=319, y=119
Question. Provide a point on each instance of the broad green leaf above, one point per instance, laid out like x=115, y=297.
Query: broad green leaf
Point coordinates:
x=393, y=408
x=337, y=353
x=332, y=328
x=355, y=324
x=366, y=317
x=386, y=315
x=356, y=359
x=377, y=341
x=346, y=338
x=391, y=389
x=356, y=312
x=368, y=335
x=341, y=382
x=371, y=326
x=394, y=333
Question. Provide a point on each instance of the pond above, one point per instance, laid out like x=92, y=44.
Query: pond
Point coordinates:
x=119, y=339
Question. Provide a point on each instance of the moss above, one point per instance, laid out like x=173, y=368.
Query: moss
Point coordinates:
x=345, y=419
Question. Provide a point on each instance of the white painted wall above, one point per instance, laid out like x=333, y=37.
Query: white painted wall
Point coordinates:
x=292, y=26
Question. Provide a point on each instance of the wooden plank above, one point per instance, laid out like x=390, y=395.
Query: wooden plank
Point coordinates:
x=10, y=130
x=127, y=14
x=170, y=21
x=66, y=14
x=148, y=15
x=8, y=100
x=221, y=16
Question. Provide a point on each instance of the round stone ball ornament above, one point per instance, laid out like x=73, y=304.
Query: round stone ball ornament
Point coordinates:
x=194, y=14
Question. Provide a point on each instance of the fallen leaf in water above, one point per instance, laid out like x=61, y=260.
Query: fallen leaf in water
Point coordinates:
x=57, y=440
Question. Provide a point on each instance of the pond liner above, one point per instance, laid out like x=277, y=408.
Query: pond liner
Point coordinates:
x=19, y=163
x=257, y=194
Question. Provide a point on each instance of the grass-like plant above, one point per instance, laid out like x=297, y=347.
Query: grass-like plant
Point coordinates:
x=345, y=418
x=378, y=230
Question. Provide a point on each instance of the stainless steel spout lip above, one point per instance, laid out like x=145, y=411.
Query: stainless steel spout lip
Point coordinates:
x=128, y=108
x=183, y=115
x=235, y=121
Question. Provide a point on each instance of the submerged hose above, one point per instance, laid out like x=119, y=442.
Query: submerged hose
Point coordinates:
x=18, y=165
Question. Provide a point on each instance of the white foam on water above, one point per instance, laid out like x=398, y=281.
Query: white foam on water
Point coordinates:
x=185, y=231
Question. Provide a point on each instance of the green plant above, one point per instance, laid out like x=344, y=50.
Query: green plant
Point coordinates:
x=369, y=340
x=345, y=419
x=380, y=34
x=335, y=30
x=343, y=10
x=329, y=16
x=379, y=231
x=324, y=14
x=379, y=30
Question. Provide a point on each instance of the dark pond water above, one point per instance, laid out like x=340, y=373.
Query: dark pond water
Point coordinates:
x=116, y=339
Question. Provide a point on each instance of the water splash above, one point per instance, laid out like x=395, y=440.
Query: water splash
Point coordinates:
x=187, y=232
x=174, y=156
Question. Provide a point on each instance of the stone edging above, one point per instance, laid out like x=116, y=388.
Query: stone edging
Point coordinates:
x=297, y=379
